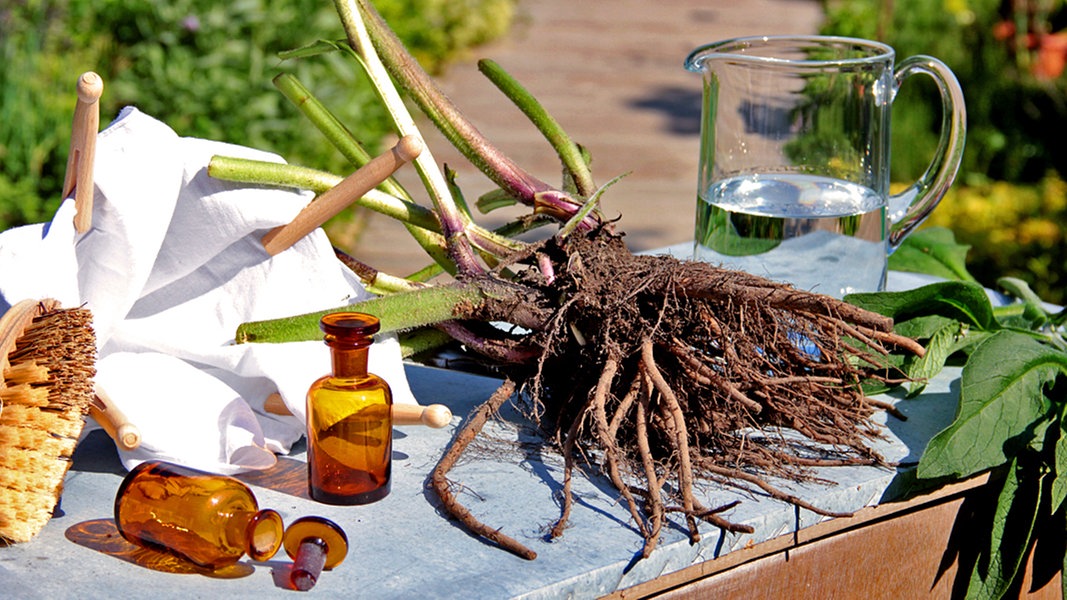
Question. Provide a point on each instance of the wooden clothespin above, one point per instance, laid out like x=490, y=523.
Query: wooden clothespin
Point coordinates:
x=350, y=189
x=79, y=176
x=430, y=415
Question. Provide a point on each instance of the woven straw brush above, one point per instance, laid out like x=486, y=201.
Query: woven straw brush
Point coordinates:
x=47, y=358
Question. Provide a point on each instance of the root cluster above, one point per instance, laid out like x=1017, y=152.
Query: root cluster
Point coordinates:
x=671, y=372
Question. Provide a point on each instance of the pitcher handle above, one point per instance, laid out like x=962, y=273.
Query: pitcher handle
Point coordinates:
x=910, y=208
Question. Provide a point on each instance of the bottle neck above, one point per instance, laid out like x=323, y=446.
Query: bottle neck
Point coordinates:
x=349, y=362
x=263, y=535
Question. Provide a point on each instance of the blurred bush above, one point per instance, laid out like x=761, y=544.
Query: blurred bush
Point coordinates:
x=204, y=68
x=1004, y=53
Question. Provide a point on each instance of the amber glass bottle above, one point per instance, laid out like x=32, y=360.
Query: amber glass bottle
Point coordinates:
x=208, y=519
x=349, y=425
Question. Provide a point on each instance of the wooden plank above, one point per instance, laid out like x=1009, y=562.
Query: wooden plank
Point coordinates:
x=920, y=548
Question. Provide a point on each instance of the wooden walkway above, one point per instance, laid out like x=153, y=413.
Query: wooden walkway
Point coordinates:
x=611, y=72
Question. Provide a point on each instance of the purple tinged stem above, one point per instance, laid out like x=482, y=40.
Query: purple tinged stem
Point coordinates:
x=457, y=128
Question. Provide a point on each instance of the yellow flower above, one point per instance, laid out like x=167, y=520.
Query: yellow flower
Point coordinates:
x=1039, y=231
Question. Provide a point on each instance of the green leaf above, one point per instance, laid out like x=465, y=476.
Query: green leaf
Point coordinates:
x=923, y=328
x=1001, y=406
x=313, y=49
x=959, y=300
x=933, y=251
x=1020, y=289
x=1059, y=484
x=1013, y=526
x=945, y=338
x=942, y=344
x=1033, y=309
x=589, y=206
x=495, y=199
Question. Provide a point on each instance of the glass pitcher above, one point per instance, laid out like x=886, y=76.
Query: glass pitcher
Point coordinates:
x=794, y=158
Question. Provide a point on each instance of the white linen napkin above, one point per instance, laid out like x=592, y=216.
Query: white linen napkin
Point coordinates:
x=171, y=266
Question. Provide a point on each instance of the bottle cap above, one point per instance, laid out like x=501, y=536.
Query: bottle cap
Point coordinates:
x=349, y=328
x=326, y=530
x=350, y=323
x=314, y=544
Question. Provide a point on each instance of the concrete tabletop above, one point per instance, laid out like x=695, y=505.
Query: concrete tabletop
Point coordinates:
x=401, y=547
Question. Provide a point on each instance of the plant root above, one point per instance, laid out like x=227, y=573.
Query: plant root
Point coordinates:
x=440, y=483
x=656, y=368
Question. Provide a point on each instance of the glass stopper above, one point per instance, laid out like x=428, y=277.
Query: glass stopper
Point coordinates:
x=314, y=544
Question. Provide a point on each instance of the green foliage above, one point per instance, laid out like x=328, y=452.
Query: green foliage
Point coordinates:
x=1011, y=96
x=1001, y=409
x=1013, y=230
x=1013, y=200
x=1011, y=413
x=933, y=250
x=447, y=29
x=35, y=55
x=204, y=68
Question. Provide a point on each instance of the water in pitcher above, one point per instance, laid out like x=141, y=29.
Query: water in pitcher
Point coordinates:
x=820, y=234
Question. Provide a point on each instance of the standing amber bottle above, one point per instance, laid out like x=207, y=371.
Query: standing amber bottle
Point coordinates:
x=349, y=422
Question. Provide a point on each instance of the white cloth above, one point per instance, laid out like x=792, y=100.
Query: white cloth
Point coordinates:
x=172, y=265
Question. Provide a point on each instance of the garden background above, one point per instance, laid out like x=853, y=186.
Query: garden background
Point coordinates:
x=205, y=68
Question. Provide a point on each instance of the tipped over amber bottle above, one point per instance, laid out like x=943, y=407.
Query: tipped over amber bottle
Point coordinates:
x=208, y=519
x=349, y=422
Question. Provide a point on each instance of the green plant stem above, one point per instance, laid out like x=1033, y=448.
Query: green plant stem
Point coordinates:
x=1009, y=310
x=280, y=174
x=569, y=152
x=1051, y=334
x=336, y=133
x=453, y=221
x=488, y=242
x=409, y=310
x=493, y=243
x=588, y=208
x=444, y=114
x=331, y=127
x=478, y=298
x=426, y=273
x=387, y=285
x=261, y=172
x=456, y=128
x=421, y=340
x=375, y=281
x=508, y=231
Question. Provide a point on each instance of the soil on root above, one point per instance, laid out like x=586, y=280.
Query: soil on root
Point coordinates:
x=659, y=367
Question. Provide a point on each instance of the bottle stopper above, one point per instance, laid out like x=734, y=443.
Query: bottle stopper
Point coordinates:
x=315, y=544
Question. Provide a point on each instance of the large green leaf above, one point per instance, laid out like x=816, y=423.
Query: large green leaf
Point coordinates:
x=923, y=328
x=934, y=251
x=1013, y=526
x=1001, y=407
x=960, y=300
x=1059, y=484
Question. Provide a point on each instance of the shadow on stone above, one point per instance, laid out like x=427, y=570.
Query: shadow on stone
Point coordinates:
x=679, y=105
